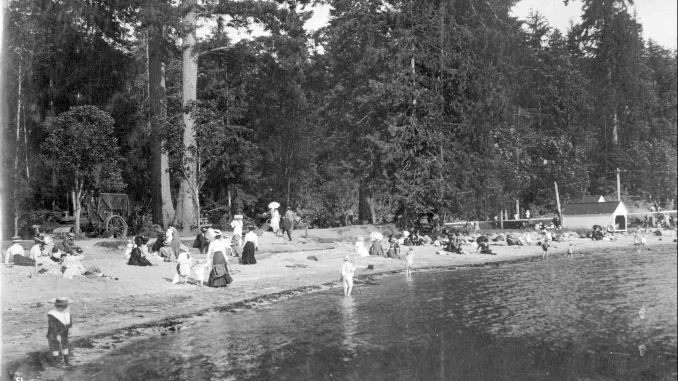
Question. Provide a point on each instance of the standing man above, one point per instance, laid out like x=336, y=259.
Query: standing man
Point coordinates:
x=201, y=242
x=287, y=222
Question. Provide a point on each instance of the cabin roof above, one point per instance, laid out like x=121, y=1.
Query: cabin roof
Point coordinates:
x=607, y=207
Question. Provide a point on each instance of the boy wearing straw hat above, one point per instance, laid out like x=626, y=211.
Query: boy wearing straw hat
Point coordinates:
x=58, y=324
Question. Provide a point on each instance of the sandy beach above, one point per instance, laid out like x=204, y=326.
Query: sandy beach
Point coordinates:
x=132, y=302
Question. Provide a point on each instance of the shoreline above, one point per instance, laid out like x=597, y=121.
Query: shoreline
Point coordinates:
x=101, y=327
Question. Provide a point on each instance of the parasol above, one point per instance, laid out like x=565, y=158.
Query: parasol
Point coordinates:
x=273, y=205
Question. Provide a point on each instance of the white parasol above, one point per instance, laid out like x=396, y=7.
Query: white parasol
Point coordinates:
x=273, y=205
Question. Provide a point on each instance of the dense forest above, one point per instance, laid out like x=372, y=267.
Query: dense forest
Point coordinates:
x=393, y=109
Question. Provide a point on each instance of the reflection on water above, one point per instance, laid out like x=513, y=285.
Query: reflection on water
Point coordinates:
x=562, y=319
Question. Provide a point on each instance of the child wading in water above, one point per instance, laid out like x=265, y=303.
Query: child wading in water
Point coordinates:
x=58, y=323
x=545, y=247
x=409, y=261
x=347, y=271
x=570, y=251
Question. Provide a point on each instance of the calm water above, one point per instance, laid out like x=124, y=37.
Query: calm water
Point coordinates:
x=561, y=319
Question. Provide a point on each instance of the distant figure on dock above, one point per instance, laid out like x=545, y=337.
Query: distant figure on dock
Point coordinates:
x=347, y=272
x=409, y=261
x=58, y=324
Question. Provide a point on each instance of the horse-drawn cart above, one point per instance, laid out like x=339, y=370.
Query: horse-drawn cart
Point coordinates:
x=106, y=214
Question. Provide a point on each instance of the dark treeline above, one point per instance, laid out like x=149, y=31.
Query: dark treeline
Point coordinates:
x=395, y=108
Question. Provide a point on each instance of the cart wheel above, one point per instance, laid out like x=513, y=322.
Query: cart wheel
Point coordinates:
x=116, y=227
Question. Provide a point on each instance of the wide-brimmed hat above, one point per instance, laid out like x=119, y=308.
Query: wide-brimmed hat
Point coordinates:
x=183, y=248
x=16, y=238
x=237, y=217
x=61, y=302
x=72, y=235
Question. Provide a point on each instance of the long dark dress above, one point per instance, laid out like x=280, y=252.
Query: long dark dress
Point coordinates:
x=376, y=249
x=137, y=259
x=248, y=254
x=218, y=265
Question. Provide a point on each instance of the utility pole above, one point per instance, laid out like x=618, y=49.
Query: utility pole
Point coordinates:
x=618, y=186
x=560, y=215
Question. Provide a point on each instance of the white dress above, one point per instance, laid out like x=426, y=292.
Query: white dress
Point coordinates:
x=275, y=220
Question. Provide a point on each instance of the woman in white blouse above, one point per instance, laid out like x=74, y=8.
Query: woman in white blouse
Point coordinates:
x=217, y=259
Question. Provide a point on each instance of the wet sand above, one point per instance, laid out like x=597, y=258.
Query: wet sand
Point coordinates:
x=109, y=312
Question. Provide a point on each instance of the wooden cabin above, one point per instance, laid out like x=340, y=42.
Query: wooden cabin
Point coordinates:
x=611, y=215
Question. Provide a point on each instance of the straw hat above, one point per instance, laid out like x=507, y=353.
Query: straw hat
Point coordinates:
x=16, y=238
x=237, y=217
x=72, y=235
x=61, y=302
x=183, y=248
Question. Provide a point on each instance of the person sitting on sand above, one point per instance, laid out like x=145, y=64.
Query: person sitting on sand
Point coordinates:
x=39, y=249
x=14, y=250
x=484, y=247
x=138, y=255
x=376, y=249
x=56, y=255
x=393, y=249
x=347, y=272
x=360, y=248
x=409, y=261
x=71, y=266
x=183, y=265
x=217, y=257
x=68, y=246
x=15, y=254
x=58, y=324
x=251, y=245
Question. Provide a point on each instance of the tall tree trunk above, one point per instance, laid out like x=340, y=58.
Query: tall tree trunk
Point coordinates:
x=366, y=212
x=17, y=144
x=163, y=210
x=187, y=201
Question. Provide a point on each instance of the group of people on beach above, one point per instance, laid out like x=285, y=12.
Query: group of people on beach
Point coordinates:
x=218, y=247
x=64, y=258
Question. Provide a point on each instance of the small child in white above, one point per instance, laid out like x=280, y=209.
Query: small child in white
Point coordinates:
x=409, y=261
x=183, y=265
x=347, y=271
x=570, y=251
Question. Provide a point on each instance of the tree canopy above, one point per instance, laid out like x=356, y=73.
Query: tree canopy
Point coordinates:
x=393, y=109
